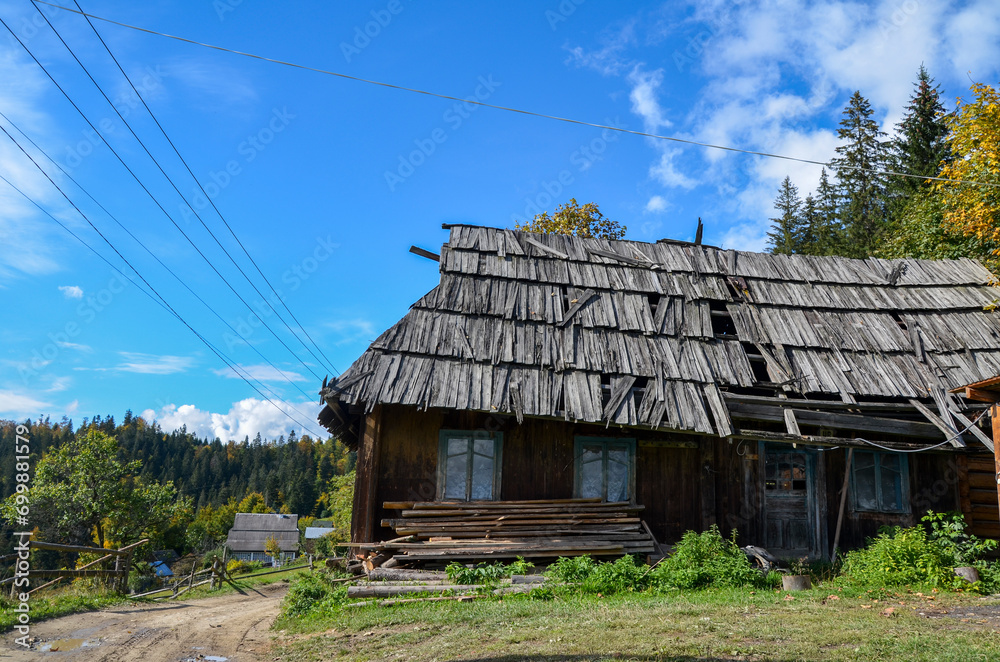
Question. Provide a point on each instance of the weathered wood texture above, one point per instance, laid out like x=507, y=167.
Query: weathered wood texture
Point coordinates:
x=534, y=325
x=672, y=482
x=981, y=509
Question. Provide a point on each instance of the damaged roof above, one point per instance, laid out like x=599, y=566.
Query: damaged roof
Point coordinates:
x=651, y=334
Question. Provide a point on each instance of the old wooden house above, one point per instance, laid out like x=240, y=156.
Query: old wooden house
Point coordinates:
x=248, y=538
x=790, y=398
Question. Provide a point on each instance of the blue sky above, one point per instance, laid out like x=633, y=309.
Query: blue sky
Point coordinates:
x=326, y=182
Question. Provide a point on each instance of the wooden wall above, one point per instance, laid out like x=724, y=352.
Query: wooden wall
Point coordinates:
x=686, y=482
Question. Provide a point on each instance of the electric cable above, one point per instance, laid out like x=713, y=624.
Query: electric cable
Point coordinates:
x=155, y=201
x=162, y=301
x=149, y=251
x=202, y=189
x=517, y=110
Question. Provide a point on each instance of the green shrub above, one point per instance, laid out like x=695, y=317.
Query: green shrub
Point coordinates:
x=620, y=576
x=706, y=559
x=571, y=569
x=947, y=531
x=899, y=556
x=486, y=573
x=313, y=593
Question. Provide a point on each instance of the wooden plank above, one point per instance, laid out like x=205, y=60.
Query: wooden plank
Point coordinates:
x=836, y=420
x=616, y=256
x=581, y=301
x=366, y=484
x=817, y=404
x=995, y=415
x=791, y=425
x=38, y=544
x=982, y=395
x=416, y=250
x=966, y=423
x=947, y=429
x=548, y=249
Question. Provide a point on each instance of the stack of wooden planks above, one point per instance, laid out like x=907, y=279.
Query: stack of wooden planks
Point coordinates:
x=481, y=530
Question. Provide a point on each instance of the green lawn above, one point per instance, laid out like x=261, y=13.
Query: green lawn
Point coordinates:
x=697, y=625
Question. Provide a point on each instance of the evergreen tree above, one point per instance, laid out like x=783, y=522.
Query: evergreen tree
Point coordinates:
x=920, y=146
x=863, y=211
x=786, y=235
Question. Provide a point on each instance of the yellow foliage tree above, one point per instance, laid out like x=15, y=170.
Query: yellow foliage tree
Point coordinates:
x=974, y=209
x=575, y=220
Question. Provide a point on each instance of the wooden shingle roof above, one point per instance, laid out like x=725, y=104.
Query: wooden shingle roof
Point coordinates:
x=251, y=530
x=646, y=334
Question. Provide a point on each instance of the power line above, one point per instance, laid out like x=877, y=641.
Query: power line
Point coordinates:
x=177, y=189
x=517, y=110
x=151, y=196
x=162, y=301
x=149, y=251
x=202, y=188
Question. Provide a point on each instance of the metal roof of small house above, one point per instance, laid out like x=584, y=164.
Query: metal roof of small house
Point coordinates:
x=251, y=530
x=649, y=334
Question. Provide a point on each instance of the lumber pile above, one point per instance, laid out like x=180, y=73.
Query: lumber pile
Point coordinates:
x=483, y=530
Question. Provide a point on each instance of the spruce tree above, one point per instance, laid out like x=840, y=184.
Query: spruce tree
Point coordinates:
x=920, y=146
x=786, y=229
x=862, y=189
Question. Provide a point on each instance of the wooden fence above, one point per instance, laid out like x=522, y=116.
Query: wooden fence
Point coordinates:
x=117, y=575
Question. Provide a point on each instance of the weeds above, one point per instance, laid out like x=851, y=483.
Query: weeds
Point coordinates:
x=707, y=559
x=486, y=573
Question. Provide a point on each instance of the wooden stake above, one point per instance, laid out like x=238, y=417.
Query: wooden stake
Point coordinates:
x=843, y=503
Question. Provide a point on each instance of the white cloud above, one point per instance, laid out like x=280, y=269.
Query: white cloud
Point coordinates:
x=150, y=364
x=72, y=407
x=244, y=419
x=261, y=372
x=657, y=203
x=71, y=291
x=645, y=86
x=18, y=404
x=72, y=345
x=666, y=172
x=59, y=384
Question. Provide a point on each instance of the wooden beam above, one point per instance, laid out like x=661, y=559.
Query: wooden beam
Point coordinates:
x=791, y=424
x=982, y=395
x=416, y=250
x=995, y=415
x=818, y=404
x=38, y=544
x=950, y=432
x=836, y=420
x=964, y=422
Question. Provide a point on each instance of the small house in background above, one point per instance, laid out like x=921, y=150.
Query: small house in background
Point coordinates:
x=251, y=530
x=319, y=529
x=801, y=401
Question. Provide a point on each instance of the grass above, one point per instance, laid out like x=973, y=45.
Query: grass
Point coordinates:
x=714, y=624
x=74, y=599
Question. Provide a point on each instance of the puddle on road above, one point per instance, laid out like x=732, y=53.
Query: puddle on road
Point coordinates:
x=67, y=644
x=205, y=658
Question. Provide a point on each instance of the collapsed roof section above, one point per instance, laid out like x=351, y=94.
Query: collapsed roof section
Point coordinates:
x=671, y=335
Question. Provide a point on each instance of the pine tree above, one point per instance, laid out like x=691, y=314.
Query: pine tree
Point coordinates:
x=863, y=211
x=920, y=146
x=787, y=228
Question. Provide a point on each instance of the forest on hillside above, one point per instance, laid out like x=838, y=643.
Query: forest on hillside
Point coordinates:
x=200, y=484
x=931, y=190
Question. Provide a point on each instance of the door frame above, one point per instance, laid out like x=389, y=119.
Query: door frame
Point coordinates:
x=816, y=510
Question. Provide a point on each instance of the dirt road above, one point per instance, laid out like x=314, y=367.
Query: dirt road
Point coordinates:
x=231, y=627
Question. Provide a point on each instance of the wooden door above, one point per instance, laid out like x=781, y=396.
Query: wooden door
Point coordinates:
x=791, y=522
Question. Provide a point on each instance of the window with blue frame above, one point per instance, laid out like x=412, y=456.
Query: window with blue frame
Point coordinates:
x=880, y=482
x=605, y=469
x=469, y=465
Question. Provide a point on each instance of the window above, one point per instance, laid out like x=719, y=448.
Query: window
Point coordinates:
x=469, y=465
x=605, y=469
x=785, y=473
x=879, y=482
